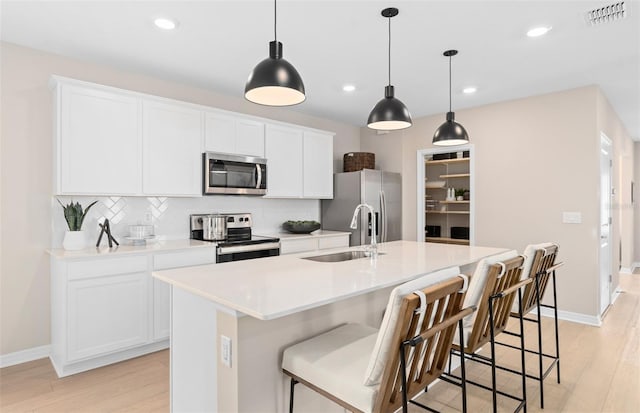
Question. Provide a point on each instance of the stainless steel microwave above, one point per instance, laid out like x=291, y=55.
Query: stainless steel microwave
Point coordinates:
x=234, y=174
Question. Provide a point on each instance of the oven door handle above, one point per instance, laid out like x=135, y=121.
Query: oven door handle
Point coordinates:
x=259, y=178
x=248, y=248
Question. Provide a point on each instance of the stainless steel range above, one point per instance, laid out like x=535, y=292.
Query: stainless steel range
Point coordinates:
x=239, y=243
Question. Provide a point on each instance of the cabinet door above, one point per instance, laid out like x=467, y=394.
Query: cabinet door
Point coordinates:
x=250, y=138
x=172, y=149
x=99, y=142
x=220, y=133
x=318, y=165
x=161, y=310
x=107, y=314
x=238, y=136
x=283, y=150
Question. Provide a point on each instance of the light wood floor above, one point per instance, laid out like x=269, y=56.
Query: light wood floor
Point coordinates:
x=600, y=373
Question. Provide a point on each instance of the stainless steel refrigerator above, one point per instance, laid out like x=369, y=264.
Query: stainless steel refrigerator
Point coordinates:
x=381, y=190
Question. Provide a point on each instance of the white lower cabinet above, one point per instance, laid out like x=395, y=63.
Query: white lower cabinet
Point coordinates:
x=107, y=314
x=108, y=309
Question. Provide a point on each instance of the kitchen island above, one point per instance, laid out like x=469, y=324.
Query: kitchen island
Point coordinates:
x=230, y=322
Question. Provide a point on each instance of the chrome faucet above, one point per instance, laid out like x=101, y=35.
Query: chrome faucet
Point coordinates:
x=354, y=225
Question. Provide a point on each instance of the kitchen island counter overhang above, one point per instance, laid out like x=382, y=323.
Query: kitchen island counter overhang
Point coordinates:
x=230, y=322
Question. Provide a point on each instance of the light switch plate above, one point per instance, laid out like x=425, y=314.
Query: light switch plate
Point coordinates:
x=572, y=217
x=225, y=353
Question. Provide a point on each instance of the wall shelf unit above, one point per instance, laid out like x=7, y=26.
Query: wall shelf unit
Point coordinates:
x=447, y=240
x=455, y=176
x=447, y=220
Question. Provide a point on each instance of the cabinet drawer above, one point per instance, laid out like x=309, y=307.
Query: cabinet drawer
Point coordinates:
x=197, y=256
x=333, y=242
x=110, y=266
x=298, y=245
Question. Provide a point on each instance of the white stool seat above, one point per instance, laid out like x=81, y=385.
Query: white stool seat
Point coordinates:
x=336, y=362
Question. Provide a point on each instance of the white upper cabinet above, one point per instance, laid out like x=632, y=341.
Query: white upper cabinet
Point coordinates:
x=299, y=163
x=98, y=149
x=283, y=150
x=318, y=165
x=233, y=135
x=110, y=141
x=172, y=149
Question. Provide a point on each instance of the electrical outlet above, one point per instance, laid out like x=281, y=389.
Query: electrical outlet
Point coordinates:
x=225, y=353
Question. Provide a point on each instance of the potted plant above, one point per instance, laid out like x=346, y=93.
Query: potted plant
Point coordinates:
x=460, y=194
x=74, y=239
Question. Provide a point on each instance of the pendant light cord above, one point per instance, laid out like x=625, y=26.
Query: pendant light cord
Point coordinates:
x=389, y=56
x=275, y=21
x=449, y=83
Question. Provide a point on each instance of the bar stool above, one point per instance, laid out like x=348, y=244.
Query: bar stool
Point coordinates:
x=367, y=370
x=540, y=266
x=493, y=288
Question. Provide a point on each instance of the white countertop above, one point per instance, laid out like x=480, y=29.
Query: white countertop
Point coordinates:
x=321, y=233
x=156, y=246
x=269, y=288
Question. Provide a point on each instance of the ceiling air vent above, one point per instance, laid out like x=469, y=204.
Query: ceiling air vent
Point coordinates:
x=606, y=14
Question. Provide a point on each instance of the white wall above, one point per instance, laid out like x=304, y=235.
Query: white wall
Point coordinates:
x=30, y=219
x=535, y=158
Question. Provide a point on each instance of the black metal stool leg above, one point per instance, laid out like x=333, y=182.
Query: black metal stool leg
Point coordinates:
x=493, y=358
x=555, y=316
x=522, y=352
x=539, y=323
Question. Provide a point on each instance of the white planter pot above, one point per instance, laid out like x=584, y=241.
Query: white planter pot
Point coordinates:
x=74, y=240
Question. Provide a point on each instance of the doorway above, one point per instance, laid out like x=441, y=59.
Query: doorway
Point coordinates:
x=606, y=165
x=442, y=216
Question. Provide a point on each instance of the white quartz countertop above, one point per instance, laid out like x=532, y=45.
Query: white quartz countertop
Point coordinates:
x=321, y=233
x=156, y=246
x=273, y=287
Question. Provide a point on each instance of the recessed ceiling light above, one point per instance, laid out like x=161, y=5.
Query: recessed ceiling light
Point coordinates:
x=348, y=88
x=165, y=24
x=469, y=90
x=538, y=31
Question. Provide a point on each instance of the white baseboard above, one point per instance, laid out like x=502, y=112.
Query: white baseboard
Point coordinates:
x=573, y=317
x=24, y=356
x=635, y=265
x=626, y=270
x=616, y=293
x=63, y=370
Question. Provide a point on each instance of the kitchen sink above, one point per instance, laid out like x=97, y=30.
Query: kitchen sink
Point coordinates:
x=341, y=256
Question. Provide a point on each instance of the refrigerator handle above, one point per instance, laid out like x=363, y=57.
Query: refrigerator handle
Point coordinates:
x=370, y=224
x=383, y=212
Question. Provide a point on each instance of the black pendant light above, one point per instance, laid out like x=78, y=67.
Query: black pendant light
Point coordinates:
x=450, y=132
x=389, y=113
x=274, y=81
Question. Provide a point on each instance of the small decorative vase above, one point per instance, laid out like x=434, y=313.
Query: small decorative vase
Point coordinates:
x=466, y=196
x=74, y=240
x=459, y=198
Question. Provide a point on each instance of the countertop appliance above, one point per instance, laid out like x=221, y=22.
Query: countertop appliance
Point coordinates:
x=240, y=243
x=382, y=190
x=233, y=174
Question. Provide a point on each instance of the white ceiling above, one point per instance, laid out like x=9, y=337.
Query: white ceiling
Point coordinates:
x=332, y=43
